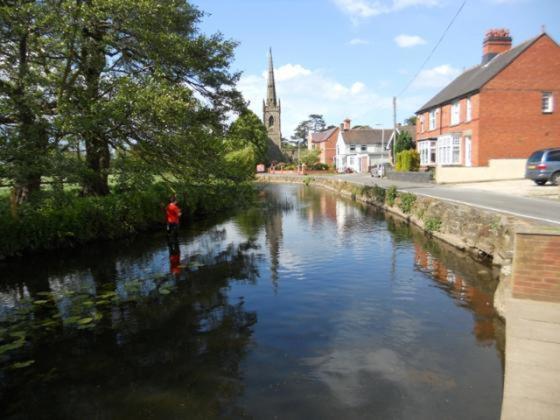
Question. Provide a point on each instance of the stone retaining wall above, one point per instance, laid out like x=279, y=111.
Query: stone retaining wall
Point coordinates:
x=424, y=177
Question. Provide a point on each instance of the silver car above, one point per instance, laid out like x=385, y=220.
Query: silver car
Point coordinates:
x=544, y=165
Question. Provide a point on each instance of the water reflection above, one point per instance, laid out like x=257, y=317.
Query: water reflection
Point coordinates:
x=358, y=316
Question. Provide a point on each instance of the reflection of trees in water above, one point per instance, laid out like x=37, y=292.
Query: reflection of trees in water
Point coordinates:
x=164, y=356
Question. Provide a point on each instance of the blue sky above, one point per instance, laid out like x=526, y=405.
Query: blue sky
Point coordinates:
x=348, y=58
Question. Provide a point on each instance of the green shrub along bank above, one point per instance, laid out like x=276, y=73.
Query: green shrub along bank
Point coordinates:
x=66, y=220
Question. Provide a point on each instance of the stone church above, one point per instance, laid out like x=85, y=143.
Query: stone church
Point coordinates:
x=272, y=108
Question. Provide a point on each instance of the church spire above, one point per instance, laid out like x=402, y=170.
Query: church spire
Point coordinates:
x=271, y=89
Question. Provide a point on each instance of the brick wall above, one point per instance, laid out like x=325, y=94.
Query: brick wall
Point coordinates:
x=536, y=265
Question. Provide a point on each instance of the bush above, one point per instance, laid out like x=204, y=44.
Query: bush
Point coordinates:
x=65, y=220
x=320, y=167
x=406, y=202
x=391, y=195
x=432, y=224
x=408, y=160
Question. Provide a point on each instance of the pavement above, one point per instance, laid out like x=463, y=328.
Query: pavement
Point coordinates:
x=519, y=198
x=532, y=366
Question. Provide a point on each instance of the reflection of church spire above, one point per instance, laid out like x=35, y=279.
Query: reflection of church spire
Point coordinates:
x=273, y=229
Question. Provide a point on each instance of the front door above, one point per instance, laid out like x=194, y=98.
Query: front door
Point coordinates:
x=468, y=151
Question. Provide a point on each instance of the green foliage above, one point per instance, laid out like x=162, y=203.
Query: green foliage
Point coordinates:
x=247, y=130
x=406, y=202
x=96, y=77
x=432, y=224
x=408, y=160
x=410, y=120
x=239, y=165
x=307, y=180
x=379, y=194
x=313, y=124
x=68, y=220
x=391, y=195
x=309, y=157
x=320, y=167
x=404, y=142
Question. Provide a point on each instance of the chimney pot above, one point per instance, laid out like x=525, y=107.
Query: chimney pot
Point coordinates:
x=496, y=41
x=346, y=124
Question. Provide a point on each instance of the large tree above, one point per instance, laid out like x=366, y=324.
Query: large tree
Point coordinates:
x=140, y=47
x=29, y=57
x=314, y=123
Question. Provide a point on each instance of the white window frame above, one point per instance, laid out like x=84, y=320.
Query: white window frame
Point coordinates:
x=469, y=109
x=363, y=148
x=352, y=147
x=432, y=118
x=449, y=150
x=455, y=116
x=547, y=102
x=425, y=148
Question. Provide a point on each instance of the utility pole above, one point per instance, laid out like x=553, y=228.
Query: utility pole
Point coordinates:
x=394, y=129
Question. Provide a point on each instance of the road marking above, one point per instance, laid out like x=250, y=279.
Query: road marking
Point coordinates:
x=542, y=219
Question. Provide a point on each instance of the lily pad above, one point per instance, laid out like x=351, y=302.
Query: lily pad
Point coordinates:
x=40, y=302
x=12, y=346
x=164, y=291
x=85, y=321
x=20, y=365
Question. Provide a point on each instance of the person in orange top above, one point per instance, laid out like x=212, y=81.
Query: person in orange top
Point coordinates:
x=173, y=215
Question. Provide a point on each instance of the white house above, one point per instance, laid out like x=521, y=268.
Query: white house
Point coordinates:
x=360, y=148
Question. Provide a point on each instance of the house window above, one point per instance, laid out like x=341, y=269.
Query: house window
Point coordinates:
x=427, y=151
x=455, y=113
x=449, y=150
x=469, y=109
x=432, y=123
x=352, y=147
x=421, y=123
x=547, y=102
x=364, y=148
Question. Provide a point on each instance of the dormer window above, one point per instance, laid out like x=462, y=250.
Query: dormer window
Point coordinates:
x=547, y=102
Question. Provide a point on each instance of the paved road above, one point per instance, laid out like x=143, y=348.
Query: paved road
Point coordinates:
x=539, y=209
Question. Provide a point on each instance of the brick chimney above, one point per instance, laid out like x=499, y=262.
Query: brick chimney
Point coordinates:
x=495, y=42
x=346, y=124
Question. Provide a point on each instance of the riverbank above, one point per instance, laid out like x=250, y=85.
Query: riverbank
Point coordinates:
x=65, y=220
x=482, y=233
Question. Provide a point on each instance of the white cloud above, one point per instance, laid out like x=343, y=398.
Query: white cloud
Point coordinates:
x=358, y=41
x=357, y=88
x=304, y=91
x=289, y=71
x=436, y=77
x=406, y=41
x=360, y=9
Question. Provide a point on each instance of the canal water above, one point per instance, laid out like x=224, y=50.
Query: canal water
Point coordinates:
x=304, y=305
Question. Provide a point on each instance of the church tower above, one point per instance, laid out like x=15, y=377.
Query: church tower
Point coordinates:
x=271, y=107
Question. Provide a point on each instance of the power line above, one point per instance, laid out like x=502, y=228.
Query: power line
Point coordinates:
x=433, y=49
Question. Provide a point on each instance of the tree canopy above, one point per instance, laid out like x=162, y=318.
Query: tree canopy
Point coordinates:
x=85, y=81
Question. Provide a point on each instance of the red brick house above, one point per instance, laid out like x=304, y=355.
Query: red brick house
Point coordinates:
x=504, y=108
x=325, y=142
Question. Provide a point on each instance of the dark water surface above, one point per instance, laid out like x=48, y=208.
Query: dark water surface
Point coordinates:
x=305, y=306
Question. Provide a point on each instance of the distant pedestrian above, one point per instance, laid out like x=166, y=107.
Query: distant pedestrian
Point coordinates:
x=173, y=216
